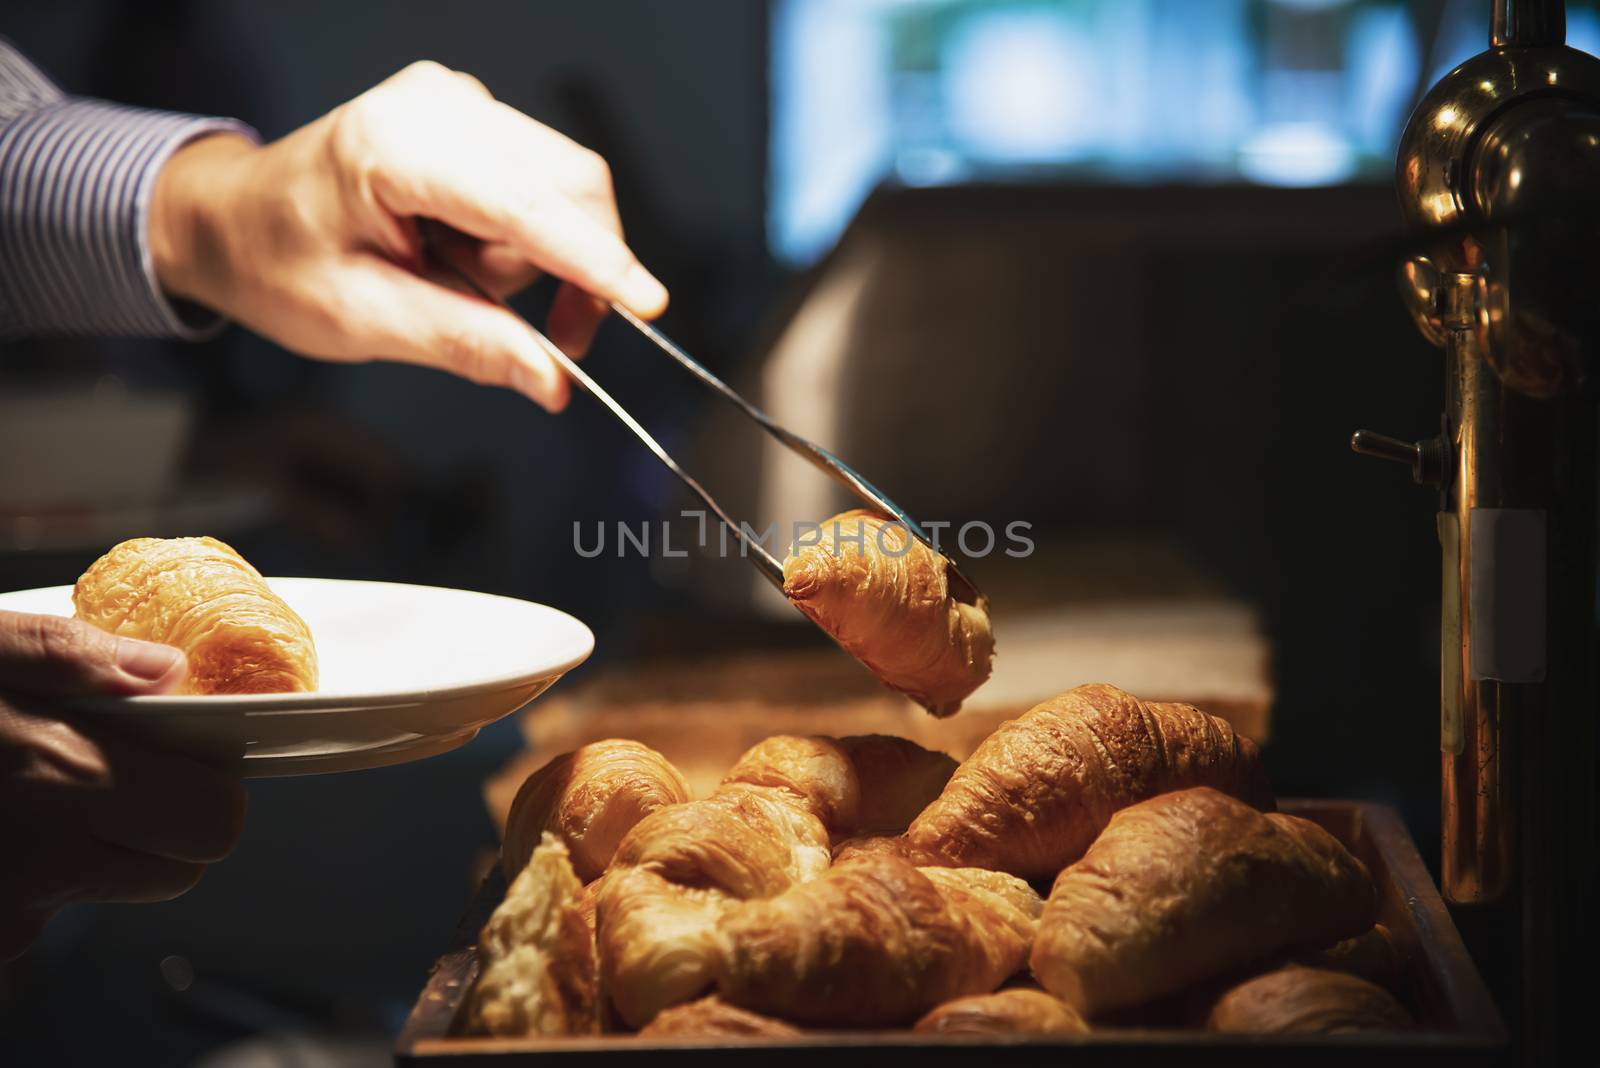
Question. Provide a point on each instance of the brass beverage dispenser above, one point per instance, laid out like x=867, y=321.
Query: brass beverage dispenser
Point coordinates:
x=1499, y=182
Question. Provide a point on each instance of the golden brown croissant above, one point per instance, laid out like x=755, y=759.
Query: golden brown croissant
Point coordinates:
x=536, y=953
x=1016, y=1011
x=1307, y=1001
x=874, y=942
x=869, y=783
x=873, y=845
x=589, y=904
x=676, y=874
x=814, y=773
x=1371, y=955
x=1006, y=904
x=1039, y=789
x=203, y=597
x=1189, y=885
x=886, y=598
x=658, y=941
x=712, y=1016
x=898, y=779
x=591, y=797
x=768, y=826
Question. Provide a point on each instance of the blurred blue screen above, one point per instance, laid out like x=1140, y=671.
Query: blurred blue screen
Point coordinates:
x=925, y=92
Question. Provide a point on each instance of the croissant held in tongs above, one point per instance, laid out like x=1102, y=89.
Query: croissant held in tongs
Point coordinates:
x=203, y=597
x=886, y=598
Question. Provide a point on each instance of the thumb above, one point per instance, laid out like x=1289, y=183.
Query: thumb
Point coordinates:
x=52, y=656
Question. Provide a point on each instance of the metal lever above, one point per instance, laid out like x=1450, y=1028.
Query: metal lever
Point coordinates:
x=1425, y=458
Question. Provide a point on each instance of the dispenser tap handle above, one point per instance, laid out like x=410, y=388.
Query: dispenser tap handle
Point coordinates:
x=1425, y=458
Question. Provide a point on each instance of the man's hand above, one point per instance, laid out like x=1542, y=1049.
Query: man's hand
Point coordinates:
x=313, y=242
x=87, y=817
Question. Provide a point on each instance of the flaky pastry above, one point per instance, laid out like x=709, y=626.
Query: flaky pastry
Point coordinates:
x=875, y=942
x=863, y=784
x=1039, y=789
x=898, y=779
x=204, y=598
x=1016, y=1011
x=536, y=953
x=678, y=874
x=1307, y=1001
x=673, y=879
x=1190, y=885
x=886, y=598
x=591, y=797
x=710, y=1017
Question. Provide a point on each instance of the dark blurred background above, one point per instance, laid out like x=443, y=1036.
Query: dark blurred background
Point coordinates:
x=1123, y=270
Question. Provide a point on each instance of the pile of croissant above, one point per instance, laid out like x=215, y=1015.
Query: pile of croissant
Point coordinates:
x=834, y=883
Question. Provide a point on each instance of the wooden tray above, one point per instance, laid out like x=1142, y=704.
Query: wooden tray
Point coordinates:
x=1458, y=1022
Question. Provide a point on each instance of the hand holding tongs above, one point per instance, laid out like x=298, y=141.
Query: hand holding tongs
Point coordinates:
x=819, y=457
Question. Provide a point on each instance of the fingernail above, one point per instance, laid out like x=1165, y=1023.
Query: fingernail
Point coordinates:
x=642, y=293
x=146, y=660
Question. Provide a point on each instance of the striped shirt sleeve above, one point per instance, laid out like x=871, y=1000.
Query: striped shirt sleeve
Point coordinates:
x=76, y=176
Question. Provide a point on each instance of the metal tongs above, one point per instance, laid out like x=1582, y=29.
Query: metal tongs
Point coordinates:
x=769, y=566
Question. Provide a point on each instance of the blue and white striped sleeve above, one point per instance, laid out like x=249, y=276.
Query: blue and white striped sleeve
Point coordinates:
x=76, y=176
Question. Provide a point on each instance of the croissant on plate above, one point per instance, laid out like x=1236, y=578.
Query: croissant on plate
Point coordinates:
x=875, y=942
x=591, y=797
x=1039, y=789
x=886, y=598
x=1189, y=885
x=537, y=966
x=1015, y=1011
x=203, y=597
x=1307, y=1001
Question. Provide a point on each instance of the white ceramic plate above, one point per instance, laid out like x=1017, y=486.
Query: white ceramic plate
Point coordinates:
x=406, y=672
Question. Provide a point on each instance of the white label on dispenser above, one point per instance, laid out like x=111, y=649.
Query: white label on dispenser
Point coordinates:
x=1506, y=593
